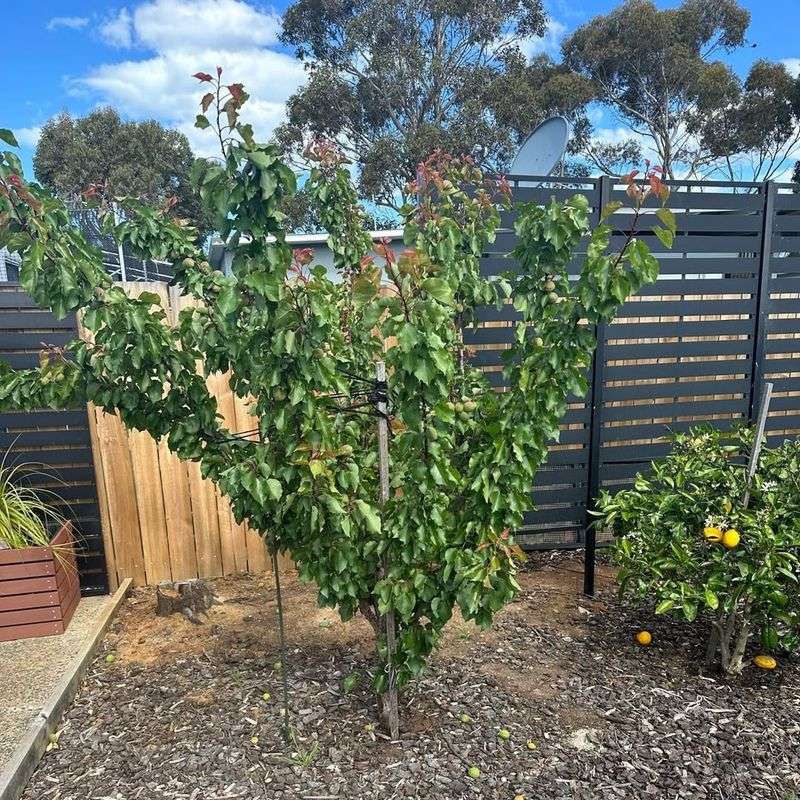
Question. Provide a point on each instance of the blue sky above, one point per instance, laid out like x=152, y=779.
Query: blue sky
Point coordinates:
x=76, y=54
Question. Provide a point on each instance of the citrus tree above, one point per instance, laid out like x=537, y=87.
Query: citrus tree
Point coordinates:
x=687, y=542
x=301, y=345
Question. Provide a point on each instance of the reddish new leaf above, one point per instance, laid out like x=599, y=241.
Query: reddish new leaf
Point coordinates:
x=237, y=92
x=203, y=76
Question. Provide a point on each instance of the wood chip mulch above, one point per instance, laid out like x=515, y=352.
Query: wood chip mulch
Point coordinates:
x=179, y=712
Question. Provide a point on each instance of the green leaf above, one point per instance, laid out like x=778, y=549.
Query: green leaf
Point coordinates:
x=668, y=219
x=609, y=209
x=712, y=601
x=370, y=516
x=665, y=236
x=8, y=137
x=274, y=488
x=438, y=289
x=227, y=301
x=201, y=121
x=664, y=606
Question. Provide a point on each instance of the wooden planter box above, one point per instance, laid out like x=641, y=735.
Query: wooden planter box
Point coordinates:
x=39, y=589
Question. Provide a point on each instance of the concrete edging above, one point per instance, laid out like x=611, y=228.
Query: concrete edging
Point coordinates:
x=26, y=757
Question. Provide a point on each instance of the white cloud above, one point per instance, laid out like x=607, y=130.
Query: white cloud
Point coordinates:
x=549, y=43
x=73, y=23
x=28, y=137
x=118, y=31
x=181, y=37
x=175, y=25
x=793, y=65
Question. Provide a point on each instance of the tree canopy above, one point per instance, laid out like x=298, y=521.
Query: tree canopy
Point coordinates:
x=301, y=348
x=659, y=71
x=391, y=81
x=137, y=159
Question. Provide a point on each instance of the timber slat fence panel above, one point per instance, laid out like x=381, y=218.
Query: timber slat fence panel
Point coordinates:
x=58, y=441
x=694, y=347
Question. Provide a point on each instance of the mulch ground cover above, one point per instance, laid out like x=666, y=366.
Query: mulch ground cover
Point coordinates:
x=172, y=710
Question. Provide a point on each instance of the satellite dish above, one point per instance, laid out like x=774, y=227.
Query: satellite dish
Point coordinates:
x=543, y=150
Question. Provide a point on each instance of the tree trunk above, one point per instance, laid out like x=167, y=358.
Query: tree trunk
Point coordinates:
x=387, y=700
x=729, y=636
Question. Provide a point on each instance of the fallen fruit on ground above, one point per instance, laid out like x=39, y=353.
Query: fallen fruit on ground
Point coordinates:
x=465, y=718
x=765, y=662
x=644, y=638
x=474, y=772
x=531, y=744
x=266, y=696
x=503, y=733
x=731, y=538
x=110, y=658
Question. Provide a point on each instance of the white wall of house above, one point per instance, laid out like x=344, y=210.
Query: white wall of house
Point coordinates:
x=220, y=258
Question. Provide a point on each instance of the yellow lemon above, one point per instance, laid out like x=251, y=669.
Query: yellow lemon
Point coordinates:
x=731, y=538
x=765, y=662
x=644, y=638
x=712, y=534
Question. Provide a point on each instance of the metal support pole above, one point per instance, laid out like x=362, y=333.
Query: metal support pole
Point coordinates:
x=762, y=299
x=595, y=403
x=123, y=275
x=763, y=412
x=390, y=710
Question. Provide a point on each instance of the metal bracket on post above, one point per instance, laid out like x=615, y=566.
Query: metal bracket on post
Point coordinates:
x=595, y=427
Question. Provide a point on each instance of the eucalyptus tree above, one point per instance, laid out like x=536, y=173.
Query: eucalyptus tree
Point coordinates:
x=658, y=69
x=393, y=80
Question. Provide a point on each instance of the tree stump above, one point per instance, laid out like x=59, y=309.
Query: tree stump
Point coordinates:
x=191, y=598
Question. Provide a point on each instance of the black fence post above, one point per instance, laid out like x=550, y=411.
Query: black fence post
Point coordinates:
x=762, y=301
x=595, y=427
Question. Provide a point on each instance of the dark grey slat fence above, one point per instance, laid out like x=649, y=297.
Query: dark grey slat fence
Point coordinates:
x=693, y=347
x=57, y=440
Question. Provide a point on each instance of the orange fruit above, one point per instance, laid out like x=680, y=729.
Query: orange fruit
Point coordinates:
x=765, y=662
x=644, y=638
x=712, y=534
x=731, y=538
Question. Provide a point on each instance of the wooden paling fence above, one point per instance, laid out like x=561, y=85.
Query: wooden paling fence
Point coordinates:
x=161, y=519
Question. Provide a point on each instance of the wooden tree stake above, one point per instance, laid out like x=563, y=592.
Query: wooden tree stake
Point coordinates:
x=389, y=702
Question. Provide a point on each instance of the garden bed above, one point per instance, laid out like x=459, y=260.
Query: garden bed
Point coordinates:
x=180, y=711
